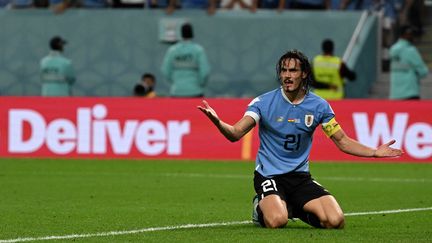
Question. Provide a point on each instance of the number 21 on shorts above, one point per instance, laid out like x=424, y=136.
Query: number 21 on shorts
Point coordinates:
x=269, y=185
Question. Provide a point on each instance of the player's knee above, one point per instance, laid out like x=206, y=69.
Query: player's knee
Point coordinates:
x=276, y=221
x=336, y=221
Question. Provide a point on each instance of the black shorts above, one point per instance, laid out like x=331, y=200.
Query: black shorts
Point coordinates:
x=295, y=188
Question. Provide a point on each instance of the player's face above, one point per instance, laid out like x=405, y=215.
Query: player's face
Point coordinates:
x=291, y=75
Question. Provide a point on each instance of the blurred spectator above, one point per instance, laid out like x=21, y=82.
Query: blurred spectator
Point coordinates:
x=279, y=5
x=57, y=73
x=412, y=13
x=128, y=3
x=157, y=3
x=41, y=3
x=185, y=66
x=93, y=3
x=17, y=4
x=388, y=8
x=310, y=4
x=387, y=11
x=21, y=4
x=329, y=72
x=146, y=88
x=250, y=5
x=210, y=5
x=5, y=3
x=29, y=4
x=407, y=67
x=59, y=6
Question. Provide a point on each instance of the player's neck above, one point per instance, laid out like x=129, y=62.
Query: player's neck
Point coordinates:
x=296, y=96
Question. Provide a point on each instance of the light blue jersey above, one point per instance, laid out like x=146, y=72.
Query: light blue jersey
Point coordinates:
x=286, y=130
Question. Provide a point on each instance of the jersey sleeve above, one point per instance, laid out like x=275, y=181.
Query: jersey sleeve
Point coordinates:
x=253, y=110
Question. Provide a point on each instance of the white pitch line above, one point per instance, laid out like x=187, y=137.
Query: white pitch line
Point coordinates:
x=125, y=232
x=409, y=180
x=234, y=176
x=389, y=211
x=186, y=226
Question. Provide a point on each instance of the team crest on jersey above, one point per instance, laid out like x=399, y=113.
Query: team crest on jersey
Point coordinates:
x=309, y=120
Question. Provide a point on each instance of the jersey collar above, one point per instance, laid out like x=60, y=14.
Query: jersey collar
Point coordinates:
x=288, y=100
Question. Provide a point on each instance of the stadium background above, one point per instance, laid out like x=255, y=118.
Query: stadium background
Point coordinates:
x=111, y=48
x=106, y=167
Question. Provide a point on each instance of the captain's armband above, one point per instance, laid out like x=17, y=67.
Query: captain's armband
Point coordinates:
x=331, y=127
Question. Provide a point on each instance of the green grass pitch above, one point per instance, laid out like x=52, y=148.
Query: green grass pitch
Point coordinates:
x=58, y=200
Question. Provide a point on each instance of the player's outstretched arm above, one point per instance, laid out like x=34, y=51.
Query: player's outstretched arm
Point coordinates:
x=386, y=151
x=231, y=132
x=351, y=146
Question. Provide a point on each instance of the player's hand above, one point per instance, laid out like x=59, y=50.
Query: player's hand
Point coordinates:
x=209, y=112
x=386, y=151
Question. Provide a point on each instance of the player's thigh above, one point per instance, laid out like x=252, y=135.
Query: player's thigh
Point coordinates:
x=273, y=207
x=312, y=197
x=327, y=209
x=271, y=199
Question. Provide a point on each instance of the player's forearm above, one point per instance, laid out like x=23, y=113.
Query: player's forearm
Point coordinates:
x=355, y=148
x=228, y=131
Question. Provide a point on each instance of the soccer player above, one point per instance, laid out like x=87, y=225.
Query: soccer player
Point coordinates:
x=287, y=118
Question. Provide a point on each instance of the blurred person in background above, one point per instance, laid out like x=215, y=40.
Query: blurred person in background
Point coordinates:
x=146, y=88
x=279, y=5
x=152, y=4
x=252, y=5
x=57, y=72
x=287, y=118
x=407, y=67
x=412, y=13
x=329, y=72
x=59, y=6
x=185, y=66
x=310, y=4
x=388, y=13
x=238, y=5
x=210, y=5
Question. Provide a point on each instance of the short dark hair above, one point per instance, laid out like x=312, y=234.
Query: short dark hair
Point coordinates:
x=139, y=90
x=327, y=46
x=406, y=30
x=187, y=31
x=304, y=65
x=57, y=43
x=148, y=75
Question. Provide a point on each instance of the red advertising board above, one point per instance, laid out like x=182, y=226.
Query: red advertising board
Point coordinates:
x=374, y=122
x=175, y=128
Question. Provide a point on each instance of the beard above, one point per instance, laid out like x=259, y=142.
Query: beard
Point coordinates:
x=291, y=85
